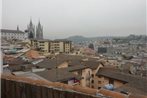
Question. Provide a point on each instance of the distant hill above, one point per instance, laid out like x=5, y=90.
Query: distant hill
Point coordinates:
x=78, y=39
x=121, y=39
x=135, y=38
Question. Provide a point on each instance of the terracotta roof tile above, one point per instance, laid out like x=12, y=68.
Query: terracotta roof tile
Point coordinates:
x=112, y=94
x=32, y=54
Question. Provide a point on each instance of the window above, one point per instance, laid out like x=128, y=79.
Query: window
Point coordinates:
x=99, y=82
x=80, y=72
x=92, y=75
x=41, y=44
x=92, y=86
x=99, y=76
x=99, y=87
x=111, y=81
x=92, y=81
x=42, y=50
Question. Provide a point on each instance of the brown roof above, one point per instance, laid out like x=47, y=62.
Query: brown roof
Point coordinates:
x=76, y=68
x=49, y=63
x=14, y=61
x=72, y=60
x=57, y=75
x=91, y=64
x=137, y=96
x=11, y=31
x=32, y=54
x=127, y=87
x=25, y=67
x=132, y=81
x=114, y=94
x=112, y=73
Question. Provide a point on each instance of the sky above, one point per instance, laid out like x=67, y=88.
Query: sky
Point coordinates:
x=89, y=18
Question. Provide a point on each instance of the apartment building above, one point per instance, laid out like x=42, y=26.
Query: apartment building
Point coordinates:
x=61, y=46
x=43, y=45
x=51, y=46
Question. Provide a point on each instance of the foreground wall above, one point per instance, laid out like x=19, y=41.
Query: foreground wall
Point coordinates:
x=19, y=89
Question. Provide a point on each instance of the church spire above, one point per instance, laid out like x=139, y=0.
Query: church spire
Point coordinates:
x=39, y=31
x=31, y=29
x=31, y=22
x=17, y=28
x=39, y=24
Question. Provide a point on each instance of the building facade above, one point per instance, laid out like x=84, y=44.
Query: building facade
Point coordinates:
x=13, y=34
x=49, y=46
x=61, y=46
x=108, y=76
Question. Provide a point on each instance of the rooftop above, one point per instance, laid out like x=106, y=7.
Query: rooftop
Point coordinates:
x=11, y=31
x=57, y=75
x=136, y=82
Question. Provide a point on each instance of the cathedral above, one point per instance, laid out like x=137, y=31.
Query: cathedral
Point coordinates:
x=35, y=34
x=39, y=31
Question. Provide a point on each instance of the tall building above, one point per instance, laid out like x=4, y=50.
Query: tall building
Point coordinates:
x=39, y=31
x=31, y=30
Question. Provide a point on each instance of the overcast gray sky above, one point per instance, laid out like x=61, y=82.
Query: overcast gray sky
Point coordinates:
x=63, y=18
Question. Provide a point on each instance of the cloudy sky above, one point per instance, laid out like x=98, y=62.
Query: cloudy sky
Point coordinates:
x=63, y=18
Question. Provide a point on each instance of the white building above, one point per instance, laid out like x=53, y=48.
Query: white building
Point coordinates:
x=14, y=34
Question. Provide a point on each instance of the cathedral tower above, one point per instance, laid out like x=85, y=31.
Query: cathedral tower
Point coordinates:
x=39, y=31
x=31, y=30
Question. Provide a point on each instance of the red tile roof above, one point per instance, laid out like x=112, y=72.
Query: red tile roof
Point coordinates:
x=32, y=54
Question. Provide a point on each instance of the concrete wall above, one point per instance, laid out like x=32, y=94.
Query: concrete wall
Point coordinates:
x=95, y=84
x=86, y=74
